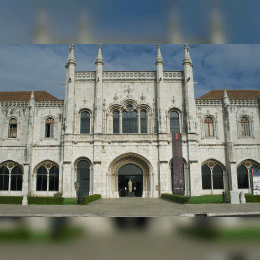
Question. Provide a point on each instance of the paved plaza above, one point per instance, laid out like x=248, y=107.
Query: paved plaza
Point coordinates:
x=128, y=207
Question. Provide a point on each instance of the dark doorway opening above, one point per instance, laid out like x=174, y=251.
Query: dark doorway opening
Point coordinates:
x=137, y=185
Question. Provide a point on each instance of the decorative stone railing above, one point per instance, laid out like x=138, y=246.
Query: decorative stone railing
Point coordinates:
x=119, y=138
x=85, y=75
x=50, y=103
x=244, y=102
x=90, y=75
x=172, y=75
x=208, y=102
x=233, y=102
x=14, y=103
x=129, y=75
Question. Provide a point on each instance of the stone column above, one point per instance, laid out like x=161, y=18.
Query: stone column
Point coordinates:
x=138, y=121
x=25, y=189
x=68, y=190
x=120, y=122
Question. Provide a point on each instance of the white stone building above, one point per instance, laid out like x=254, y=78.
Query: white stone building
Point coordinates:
x=116, y=125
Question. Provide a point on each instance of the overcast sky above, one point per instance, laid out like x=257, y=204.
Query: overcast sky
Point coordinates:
x=42, y=67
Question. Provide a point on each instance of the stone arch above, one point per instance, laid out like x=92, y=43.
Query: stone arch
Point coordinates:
x=211, y=163
x=128, y=102
x=83, y=158
x=44, y=163
x=10, y=165
x=247, y=163
x=132, y=158
x=186, y=176
x=48, y=165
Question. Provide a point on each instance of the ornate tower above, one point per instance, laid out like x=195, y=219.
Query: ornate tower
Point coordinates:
x=230, y=163
x=190, y=117
x=70, y=91
x=98, y=93
x=161, y=95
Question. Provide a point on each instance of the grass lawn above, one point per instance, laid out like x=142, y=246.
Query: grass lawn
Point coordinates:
x=241, y=234
x=22, y=235
x=206, y=199
x=69, y=201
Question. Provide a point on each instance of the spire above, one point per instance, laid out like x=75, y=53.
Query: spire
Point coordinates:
x=225, y=93
x=32, y=95
x=99, y=57
x=187, y=58
x=159, y=56
x=71, y=58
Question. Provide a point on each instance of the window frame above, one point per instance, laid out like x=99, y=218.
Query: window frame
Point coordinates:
x=10, y=169
x=48, y=169
x=206, y=125
x=243, y=127
x=211, y=165
x=51, y=128
x=11, y=124
x=179, y=123
x=80, y=120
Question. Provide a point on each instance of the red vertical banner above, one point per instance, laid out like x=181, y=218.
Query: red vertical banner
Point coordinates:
x=177, y=160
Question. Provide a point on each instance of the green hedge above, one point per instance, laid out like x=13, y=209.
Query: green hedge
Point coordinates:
x=45, y=200
x=11, y=200
x=88, y=199
x=175, y=198
x=252, y=198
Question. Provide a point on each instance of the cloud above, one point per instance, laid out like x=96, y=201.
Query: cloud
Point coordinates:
x=23, y=67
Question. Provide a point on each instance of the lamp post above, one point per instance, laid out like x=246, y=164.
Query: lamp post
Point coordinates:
x=76, y=184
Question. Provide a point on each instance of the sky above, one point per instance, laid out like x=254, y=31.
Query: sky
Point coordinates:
x=42, y=67
x=135, y=21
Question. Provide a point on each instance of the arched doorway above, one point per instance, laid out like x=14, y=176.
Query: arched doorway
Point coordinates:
x=147, y=181
x=135, y=174
x=83, y=176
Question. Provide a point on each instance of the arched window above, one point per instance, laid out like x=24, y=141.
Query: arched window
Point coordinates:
x=129, y=121
x=217, y=177
x=206, y=177
x=248, y=175
x=49, y=127
x=242, y=177
x=143, y=121
x=116, y=122
x=174, y=122
x=208, y=125
x=47, y=177
x=83, y=177
x=16, y=178
x=12, y=128
x=244, y=123
x=4, y=178
x=212, y=176
x=85, y=123
x=11, y=177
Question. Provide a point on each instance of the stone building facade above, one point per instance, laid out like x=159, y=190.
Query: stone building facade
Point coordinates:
x=117, y=125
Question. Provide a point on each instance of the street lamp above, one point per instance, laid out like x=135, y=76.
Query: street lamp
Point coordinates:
x=76, y=184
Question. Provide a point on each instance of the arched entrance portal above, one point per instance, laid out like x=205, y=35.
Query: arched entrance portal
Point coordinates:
x=83, y=176
x=135, y=174
x=138, y=169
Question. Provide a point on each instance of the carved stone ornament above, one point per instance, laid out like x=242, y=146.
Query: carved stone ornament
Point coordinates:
x=143, y=97
x=115, y=97
x=173, y=100
x=129, y=92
